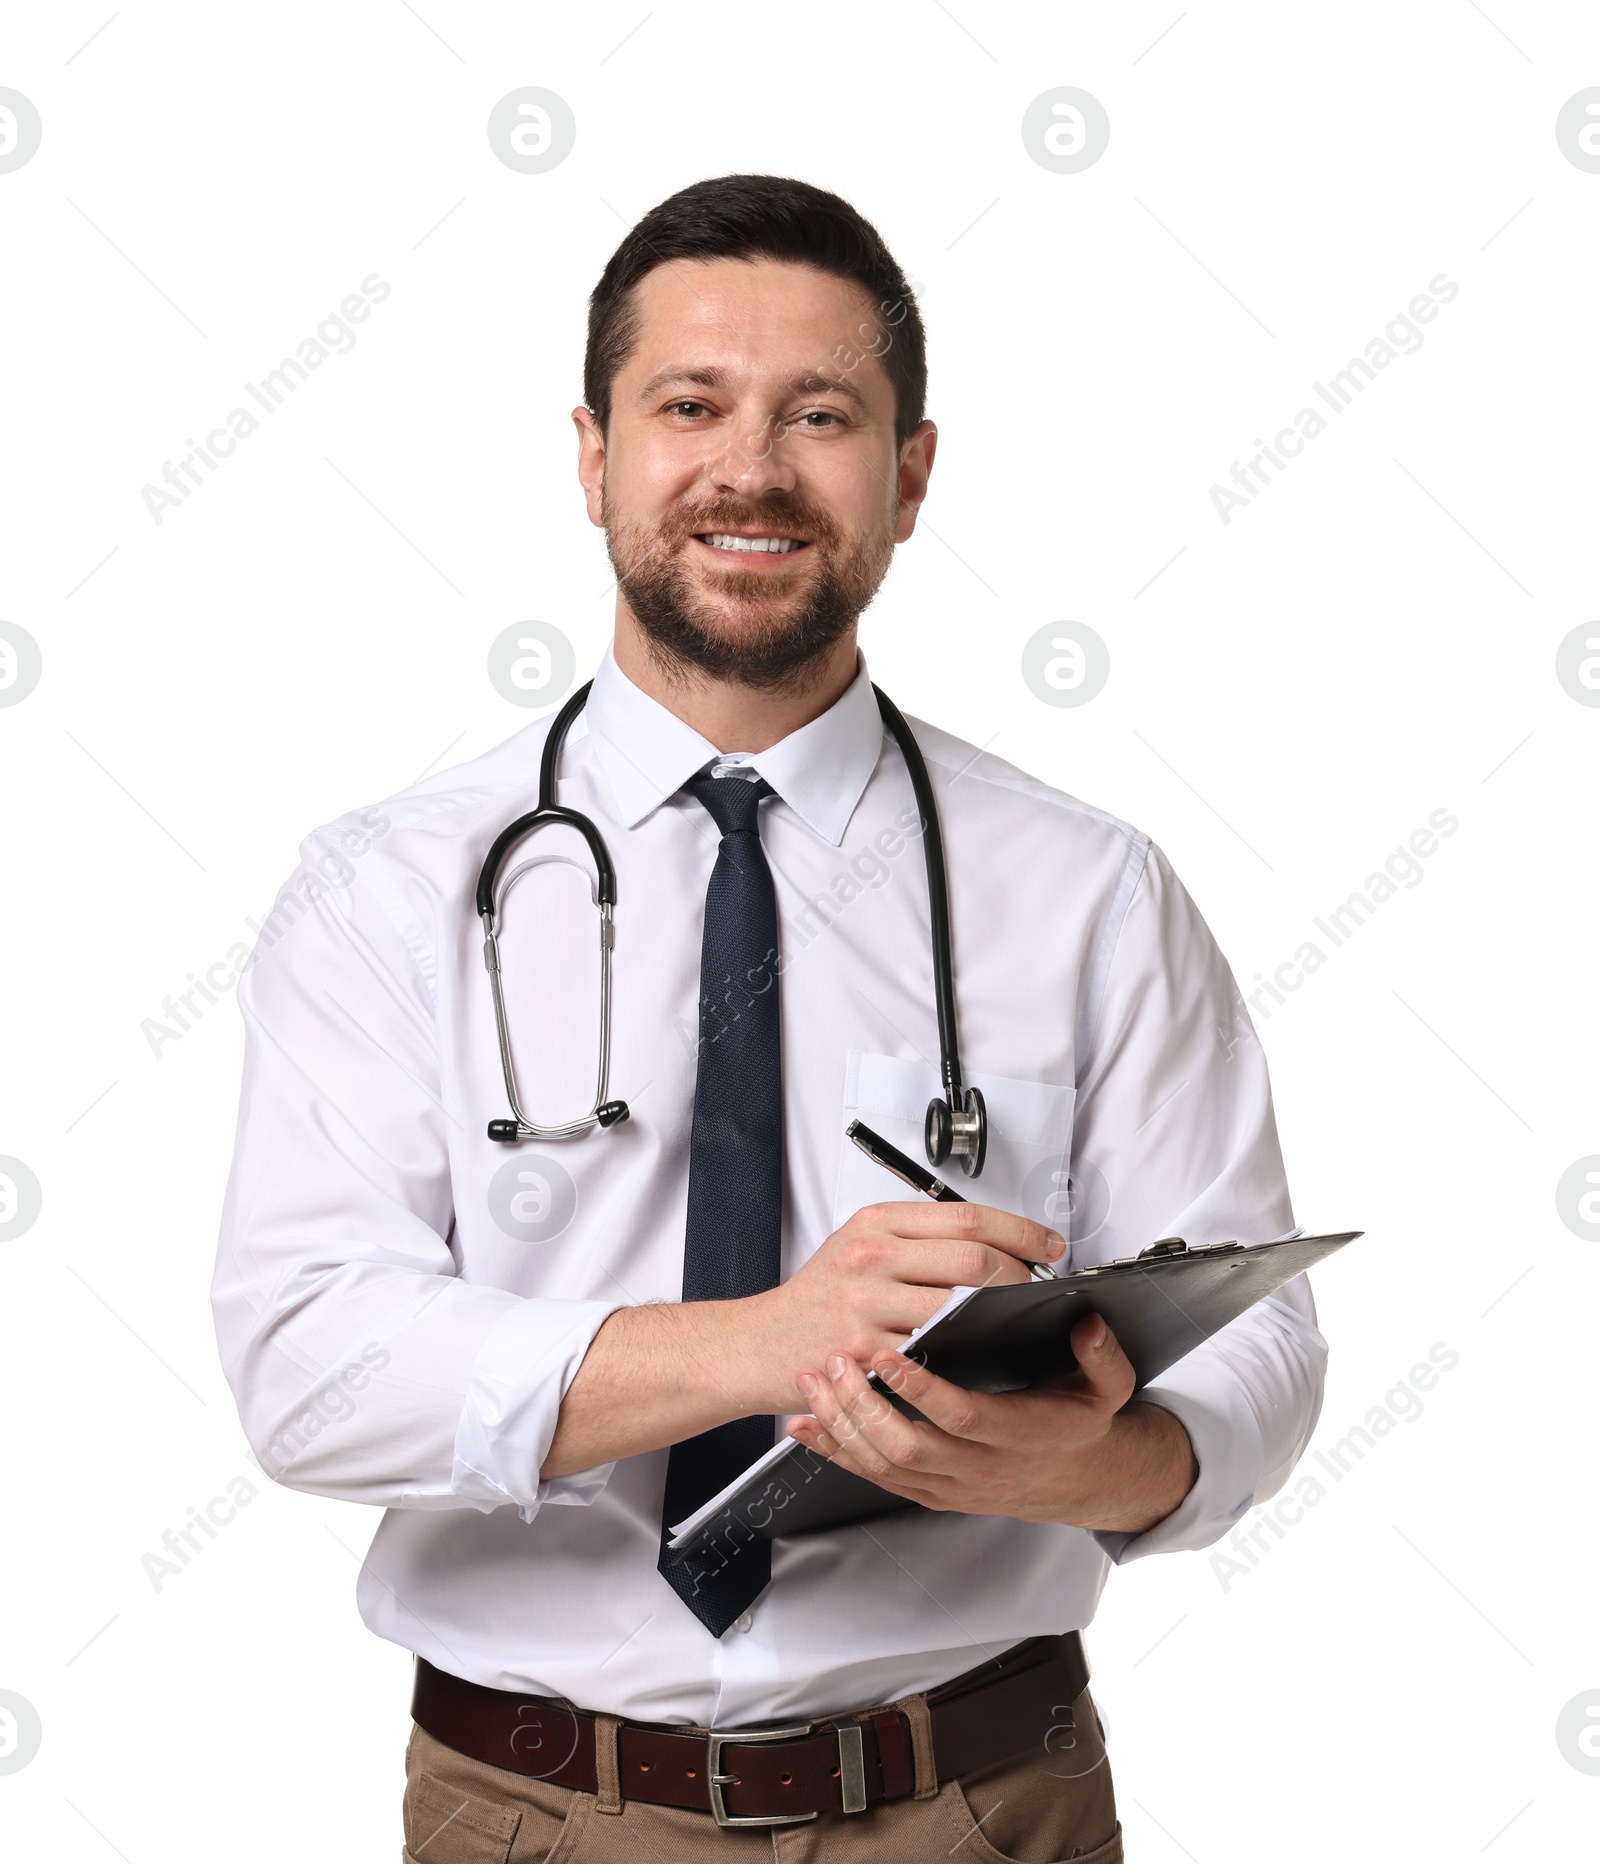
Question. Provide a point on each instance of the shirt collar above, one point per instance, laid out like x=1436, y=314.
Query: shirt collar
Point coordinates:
x=648, y=753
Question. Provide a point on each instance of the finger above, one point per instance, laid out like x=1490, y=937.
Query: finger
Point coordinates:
x=809, y=1432
x=886, y=1445
x=976, y=1223
x=940, y=1263
x=900, y=1305
x=1104, y=1371
x=830, y=1407
x=850, y=1446
x=896, y=1310
x=896, y=1482
x=956, y=1412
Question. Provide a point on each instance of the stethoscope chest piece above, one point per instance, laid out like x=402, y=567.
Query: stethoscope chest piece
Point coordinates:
x=963, y=1136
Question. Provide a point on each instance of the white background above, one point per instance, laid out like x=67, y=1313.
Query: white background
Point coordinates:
x=1371, y=640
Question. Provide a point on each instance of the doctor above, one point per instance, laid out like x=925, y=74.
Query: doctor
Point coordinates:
x=537, y=1358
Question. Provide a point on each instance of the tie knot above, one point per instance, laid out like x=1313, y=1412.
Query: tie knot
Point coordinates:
x=731, y=801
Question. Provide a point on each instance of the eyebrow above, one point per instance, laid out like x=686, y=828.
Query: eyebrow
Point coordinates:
x=811, y=382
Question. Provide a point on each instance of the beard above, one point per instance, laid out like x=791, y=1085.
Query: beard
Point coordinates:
x=779, y=629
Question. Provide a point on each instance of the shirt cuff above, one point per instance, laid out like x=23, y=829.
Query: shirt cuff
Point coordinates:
x=518, y=1379
x=1228, y=1446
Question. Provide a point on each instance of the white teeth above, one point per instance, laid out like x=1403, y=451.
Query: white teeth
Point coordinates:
x=776, y=546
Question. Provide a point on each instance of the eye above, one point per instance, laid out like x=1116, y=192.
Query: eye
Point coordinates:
x=685, y=408
x=816, y=415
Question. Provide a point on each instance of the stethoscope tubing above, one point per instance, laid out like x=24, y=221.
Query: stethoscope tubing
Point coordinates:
x=958, y=1123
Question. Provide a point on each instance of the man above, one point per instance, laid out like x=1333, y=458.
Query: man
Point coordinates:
x=540, y=1358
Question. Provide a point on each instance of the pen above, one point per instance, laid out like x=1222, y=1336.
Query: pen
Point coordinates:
x=892, y=1159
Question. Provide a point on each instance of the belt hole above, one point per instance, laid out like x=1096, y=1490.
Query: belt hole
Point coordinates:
x=644, y=1766
x=693, y=1775
x=834, y=1775
x=785, y=1779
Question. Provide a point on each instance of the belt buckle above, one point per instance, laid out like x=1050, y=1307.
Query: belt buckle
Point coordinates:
x=716, y=1779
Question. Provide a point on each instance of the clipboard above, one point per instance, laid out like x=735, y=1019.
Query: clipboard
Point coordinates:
x=1160, y=1305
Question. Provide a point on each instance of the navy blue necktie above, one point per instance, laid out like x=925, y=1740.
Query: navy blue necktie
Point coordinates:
x=732, y=1244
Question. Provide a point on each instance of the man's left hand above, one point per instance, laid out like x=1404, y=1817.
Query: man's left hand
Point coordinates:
x=1071, y=1449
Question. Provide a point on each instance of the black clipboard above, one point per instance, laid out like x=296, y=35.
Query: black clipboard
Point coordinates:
x=1160, y=1304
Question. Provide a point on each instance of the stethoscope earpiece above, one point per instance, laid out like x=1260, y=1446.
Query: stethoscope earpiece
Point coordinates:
x=509, y=1132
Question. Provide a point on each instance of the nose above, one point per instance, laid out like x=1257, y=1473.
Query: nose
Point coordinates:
x=752, y=459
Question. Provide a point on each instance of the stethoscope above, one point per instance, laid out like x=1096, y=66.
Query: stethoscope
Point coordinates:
x=956, y=1126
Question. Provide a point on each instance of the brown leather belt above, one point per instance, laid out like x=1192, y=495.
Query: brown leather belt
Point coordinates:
x=775, y=1775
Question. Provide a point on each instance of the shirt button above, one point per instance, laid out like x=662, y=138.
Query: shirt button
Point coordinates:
x=741, y=1623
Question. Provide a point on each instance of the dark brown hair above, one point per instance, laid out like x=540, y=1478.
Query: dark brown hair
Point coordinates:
x=768, y=217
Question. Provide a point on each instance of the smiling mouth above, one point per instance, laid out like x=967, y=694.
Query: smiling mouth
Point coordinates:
x=766, y=544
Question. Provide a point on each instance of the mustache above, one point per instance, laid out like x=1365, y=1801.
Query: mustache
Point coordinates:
x=777, y=513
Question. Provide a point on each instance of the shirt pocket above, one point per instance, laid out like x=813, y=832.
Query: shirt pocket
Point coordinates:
x=1030, y=1139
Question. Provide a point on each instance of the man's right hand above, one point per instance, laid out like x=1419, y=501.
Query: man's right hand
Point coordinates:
x=657, y=1374
x=886, y=1272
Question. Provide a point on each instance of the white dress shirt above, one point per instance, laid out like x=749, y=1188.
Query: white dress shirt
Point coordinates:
x=402, y=1304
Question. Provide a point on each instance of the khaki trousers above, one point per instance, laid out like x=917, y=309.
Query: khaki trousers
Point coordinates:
x=1052, y=1803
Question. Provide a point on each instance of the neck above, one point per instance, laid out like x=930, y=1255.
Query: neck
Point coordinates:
x=731, y=716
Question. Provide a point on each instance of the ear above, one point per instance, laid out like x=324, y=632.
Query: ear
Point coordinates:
x=916, y=462
x=591, y=461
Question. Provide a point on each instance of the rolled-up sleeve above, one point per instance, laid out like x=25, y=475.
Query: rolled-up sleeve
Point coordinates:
x=1175, y=1131
x=364, y=1367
